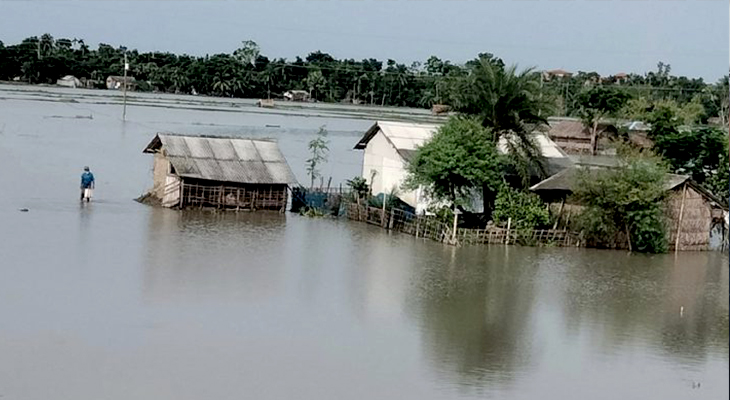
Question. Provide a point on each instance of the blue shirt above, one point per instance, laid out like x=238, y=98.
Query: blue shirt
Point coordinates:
x=87, y=178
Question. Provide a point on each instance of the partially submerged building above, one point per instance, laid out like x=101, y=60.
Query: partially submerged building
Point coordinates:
x=694, y=215
x=389, y=147
x=222, y=172
x=118, y=82
x=69, y=81
x=296, y=95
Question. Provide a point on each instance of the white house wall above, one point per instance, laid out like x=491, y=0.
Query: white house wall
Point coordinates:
x=381, y=157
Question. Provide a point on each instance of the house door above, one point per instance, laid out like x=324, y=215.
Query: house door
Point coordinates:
x=171, y=194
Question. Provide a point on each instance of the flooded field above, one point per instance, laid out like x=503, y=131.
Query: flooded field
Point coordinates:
x=117, y=300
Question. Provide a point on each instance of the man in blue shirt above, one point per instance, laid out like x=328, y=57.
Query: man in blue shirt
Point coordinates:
x=87, y=183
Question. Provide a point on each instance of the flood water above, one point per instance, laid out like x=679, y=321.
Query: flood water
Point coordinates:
x=118, y=300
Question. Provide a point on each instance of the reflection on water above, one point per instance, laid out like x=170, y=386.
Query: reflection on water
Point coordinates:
x=116, y=300
x=194, y=255
x=474, y=309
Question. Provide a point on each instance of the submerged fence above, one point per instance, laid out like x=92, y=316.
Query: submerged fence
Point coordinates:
x=430, y=227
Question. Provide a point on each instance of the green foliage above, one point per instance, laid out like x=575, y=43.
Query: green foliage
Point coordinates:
x=459, y=157
x=696, y=152
x=318, y=148
x=391, y=200
x=525, y=209
x=359, y=186
x=718, y=183
x=628, y=199
x=248, y=73
x=312, y=212
x=597, y=103
x=644, y=109
x=509, y=103
x=442, y=214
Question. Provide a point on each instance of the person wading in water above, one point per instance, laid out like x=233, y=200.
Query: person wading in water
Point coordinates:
x=87, y=184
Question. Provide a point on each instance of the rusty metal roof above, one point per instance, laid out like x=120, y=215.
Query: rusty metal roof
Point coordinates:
x=225, y=159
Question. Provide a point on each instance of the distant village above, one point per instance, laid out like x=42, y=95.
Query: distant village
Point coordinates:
x=626, y=161
x=245, y=174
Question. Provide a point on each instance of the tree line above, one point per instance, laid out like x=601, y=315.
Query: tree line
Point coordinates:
x=246, y=72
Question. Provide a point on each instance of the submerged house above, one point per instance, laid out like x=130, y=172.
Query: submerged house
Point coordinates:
x=118, y=82
x=69, y=81
x=694, y=215
x=389, y=147
x=222, y=172
x=296, y=95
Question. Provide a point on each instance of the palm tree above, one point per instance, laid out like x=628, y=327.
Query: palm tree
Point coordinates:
x=510, y=104
x=46, y=45
x=221, y=85
x=315, y=82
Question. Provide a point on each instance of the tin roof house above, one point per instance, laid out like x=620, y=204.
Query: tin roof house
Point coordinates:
x=389, y=147
x=696, y=219
x=118, y=82
x=69, y=81
x=221, y=172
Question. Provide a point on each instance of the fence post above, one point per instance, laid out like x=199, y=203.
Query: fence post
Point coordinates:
x=509, y=224
x=392, y=217
x=453, y=232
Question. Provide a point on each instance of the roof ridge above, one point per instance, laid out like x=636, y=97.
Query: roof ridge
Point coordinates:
x=207, y=136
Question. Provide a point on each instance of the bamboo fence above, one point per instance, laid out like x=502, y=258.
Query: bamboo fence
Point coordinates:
x=429, y=227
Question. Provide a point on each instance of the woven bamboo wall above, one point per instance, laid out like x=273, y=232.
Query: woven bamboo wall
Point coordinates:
x=694, y=232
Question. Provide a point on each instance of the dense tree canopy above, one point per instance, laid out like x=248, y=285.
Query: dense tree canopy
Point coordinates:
x=596, y=103
x=459, y=157
x=247, y=72
x=507, y=102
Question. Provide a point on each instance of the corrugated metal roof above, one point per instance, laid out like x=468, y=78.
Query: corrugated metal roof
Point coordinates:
x=548, y=148
x=564, y=181
x=403, y=135
x=224, y=159
x=406, y=137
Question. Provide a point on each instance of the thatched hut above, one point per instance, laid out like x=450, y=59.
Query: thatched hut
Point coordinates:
x=222, y=172
x=696, y=219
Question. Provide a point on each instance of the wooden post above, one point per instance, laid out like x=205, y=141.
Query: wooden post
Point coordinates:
x=181, y=204
x=453, y=232
x=126, y=67
x=392, y=217
x=418, y=224
x=382, y=218
x=560, y=213
x=681, y=214
x=359, y=214
x=509, y=224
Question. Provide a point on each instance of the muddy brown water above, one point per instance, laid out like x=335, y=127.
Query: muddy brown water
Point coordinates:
x=117, y=300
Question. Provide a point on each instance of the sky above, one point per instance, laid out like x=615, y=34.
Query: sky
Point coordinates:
x=607, y=36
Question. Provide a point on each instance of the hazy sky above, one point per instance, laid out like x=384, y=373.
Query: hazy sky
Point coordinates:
x=607, y=36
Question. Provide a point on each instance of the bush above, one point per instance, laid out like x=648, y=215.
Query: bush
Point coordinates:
x=359, y=186
x=627, y=200
x=526, y=209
